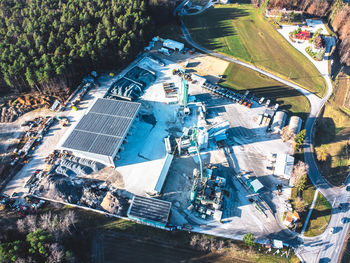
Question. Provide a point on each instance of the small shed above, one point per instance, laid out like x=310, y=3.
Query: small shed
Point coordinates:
x=173, y=45
x=277, y=243
x=256, y=185
x=149, y=211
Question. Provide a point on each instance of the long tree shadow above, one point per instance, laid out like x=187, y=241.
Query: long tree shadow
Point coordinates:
x=213, y=24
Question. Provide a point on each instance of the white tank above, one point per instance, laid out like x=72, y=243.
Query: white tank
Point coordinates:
x=203, y=139
x=278, y=121
x=295, y=124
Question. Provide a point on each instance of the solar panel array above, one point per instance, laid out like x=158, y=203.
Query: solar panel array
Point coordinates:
x=101, y=130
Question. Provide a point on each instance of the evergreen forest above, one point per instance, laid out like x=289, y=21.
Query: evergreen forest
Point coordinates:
x=47, y=43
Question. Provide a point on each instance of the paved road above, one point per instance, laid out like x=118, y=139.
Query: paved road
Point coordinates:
x=326, y=247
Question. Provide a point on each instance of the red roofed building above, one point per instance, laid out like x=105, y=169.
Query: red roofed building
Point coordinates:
x=303, y=35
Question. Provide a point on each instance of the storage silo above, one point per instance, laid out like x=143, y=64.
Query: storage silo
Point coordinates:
x=295, y=124
x=278, y=121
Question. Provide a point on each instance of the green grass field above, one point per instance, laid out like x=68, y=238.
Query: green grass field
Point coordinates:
x=239, y=30
x=319, y=217
x=333, y=132
x=241, y=78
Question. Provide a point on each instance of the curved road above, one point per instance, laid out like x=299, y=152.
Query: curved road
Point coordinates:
x=325, y=247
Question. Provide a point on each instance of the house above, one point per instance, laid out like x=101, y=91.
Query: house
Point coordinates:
x=275, y=12
x=291, y=218
x=303, y=35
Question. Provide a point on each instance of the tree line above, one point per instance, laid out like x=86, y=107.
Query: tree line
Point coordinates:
x=39, y=238
x=45, y=42
x=336, y=11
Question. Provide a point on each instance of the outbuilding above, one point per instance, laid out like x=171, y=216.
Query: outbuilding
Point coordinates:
x=173, y=45
x=278, y=121
x=284, y=165
x=295, y=124
x=149, y=211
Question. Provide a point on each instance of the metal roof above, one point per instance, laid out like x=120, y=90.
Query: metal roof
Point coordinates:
x=149, y=210
x=173, y=44
x=284, y=165
x=163, y=174
x=102, y=129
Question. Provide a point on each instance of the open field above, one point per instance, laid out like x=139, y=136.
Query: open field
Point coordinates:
x=241, y=78
x=319, y=217
x=240, y=31
x=333, y=131
x=115, y=239
x=342, y=94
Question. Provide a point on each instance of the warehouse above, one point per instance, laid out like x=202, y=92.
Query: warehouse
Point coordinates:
x=150, y=211
x=295, y=123
x=101, y=131
x=278, y=121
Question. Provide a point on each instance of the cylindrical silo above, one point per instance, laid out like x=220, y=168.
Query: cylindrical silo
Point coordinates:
x=278, y=121
x=295, y=124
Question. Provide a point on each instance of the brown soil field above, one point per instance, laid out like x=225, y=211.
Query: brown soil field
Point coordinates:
x=342, y=96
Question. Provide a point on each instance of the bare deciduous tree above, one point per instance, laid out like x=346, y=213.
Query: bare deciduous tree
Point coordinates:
x=45, y=221
x=299, y=205
x=21, y=226
x=57, y=253
x=30, y=222
x=287, y=134
x=299, y=175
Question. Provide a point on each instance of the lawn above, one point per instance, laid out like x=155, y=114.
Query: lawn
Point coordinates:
x=319, y=217
x=307, y=195
x=333, y=132
x=241, y=78
x=240, y=31
x=320, y=214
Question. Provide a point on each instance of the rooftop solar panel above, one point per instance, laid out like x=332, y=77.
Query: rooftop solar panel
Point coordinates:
x=150, y=209
x=101, y=130
x=105, y=145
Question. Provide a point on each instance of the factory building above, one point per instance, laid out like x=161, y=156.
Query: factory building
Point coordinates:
x=279, y=121
x=101, y=131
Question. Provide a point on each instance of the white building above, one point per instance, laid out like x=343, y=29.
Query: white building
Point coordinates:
x=278, y=121
x=295, y=123
x=284, y=165
x=173, y=45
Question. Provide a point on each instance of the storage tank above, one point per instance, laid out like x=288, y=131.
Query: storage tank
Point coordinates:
x=167, y=144
x=278, y=121
x=295, y=124
x=202, y=139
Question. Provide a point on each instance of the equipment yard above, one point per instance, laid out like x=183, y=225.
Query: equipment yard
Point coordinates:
x=206, y=150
